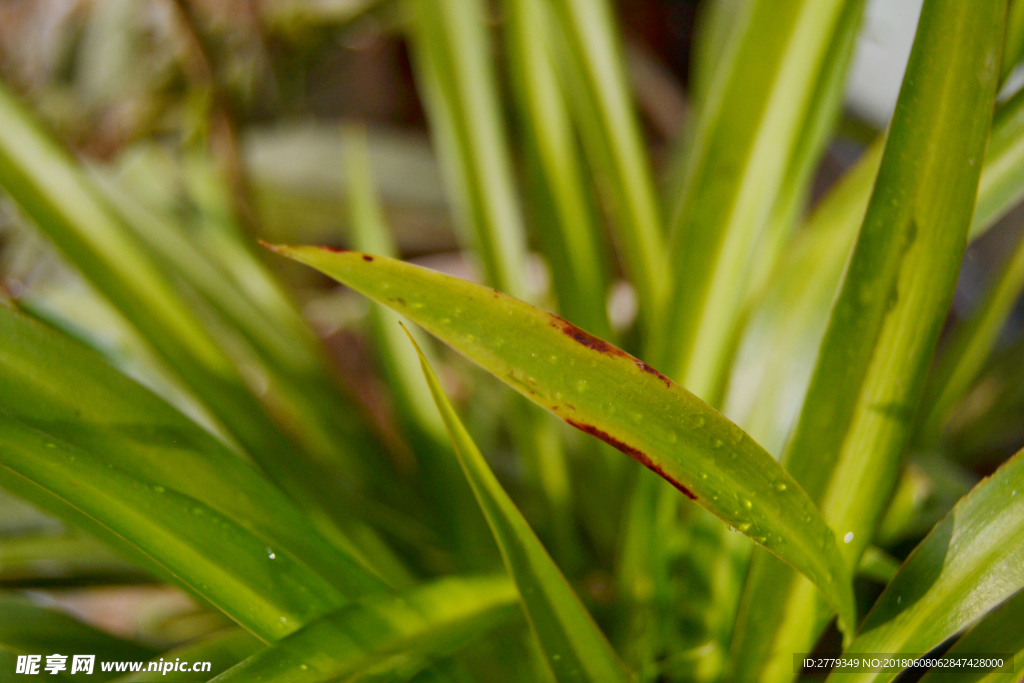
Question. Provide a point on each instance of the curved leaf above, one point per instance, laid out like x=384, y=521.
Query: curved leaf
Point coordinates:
x=998, y=633
x=435, y=619
x=58, y=386
x=575, y=648
x=605, y=392
x=264, y=588
x=858, y=414
x=598, y=89
x=969, y=563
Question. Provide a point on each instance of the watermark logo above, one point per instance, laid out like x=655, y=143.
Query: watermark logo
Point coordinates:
x=85, y=664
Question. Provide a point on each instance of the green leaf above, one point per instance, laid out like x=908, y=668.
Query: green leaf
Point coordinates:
x=432, y=620
x=75, y=558
x=858, y=412
x=775, y=359
x=55, y=385
x=605, y=392
x=997, y=633
x=966, y=566
x=223, y=650
x=464, y=526
x=746, y=138
x=458, y=84
x=264, y=588
x=26, y=628
x=56, y=195
x=576, y=649
x=564, y=212
x=249, y=303
x=596, y=84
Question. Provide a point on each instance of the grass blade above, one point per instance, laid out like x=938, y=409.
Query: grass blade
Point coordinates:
x=787, y=324
x=597, y=87
x=265, y=589
x=434, y=619
x=748, y=130
x=575, y=648
x=459, y=86
x=999, y=632
x=79, y=400
x=973, y=341
x=56, y=195
x=466, y=529
x=566, y=217
x=858, y=414
x=74, y=558
x=969, y=563
x=582, y=379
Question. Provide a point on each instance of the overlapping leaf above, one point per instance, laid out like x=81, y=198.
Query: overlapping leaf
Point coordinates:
x=431, y=620
x=576, y=649
x=970, y=562
x=605, y=392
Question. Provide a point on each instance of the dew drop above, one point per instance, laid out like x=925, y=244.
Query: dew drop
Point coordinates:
x=717, y=443
x=271, y=555
x=848, y=537
x=303, y=667
x=744, y=526
x=581, y=385
x=899, y=599
x=703, y=475
x=748, y=504
x=780, y=487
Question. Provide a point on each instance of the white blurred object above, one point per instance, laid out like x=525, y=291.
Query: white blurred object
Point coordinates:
x=883, y=49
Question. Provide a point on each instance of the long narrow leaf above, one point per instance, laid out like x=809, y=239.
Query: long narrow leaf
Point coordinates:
x=869, y=377
x=597, y=87
x=263, y=588
x=746, y=138
x=435, y=619
x=970, y=562
x=56, y=195
x=998, y=633
x=576, y=649
x=466, y=530
x=459, y=87
x=59, y=387
x=603, y=391
x=565, y=220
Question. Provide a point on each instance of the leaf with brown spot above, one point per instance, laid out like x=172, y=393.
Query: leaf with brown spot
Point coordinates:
x=618, y=399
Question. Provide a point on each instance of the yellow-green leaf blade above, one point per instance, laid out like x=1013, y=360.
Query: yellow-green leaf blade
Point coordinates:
x=998, y=633
x=967, y=565
x=434, y=619
x=576, y=649
x=604, y=391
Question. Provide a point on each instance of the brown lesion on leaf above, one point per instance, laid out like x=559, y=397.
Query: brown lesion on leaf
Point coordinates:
x=368, y=258
x=585, y=338
x=397, y=300
x=632, y=452
x=334, y=250
x=648, y=369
